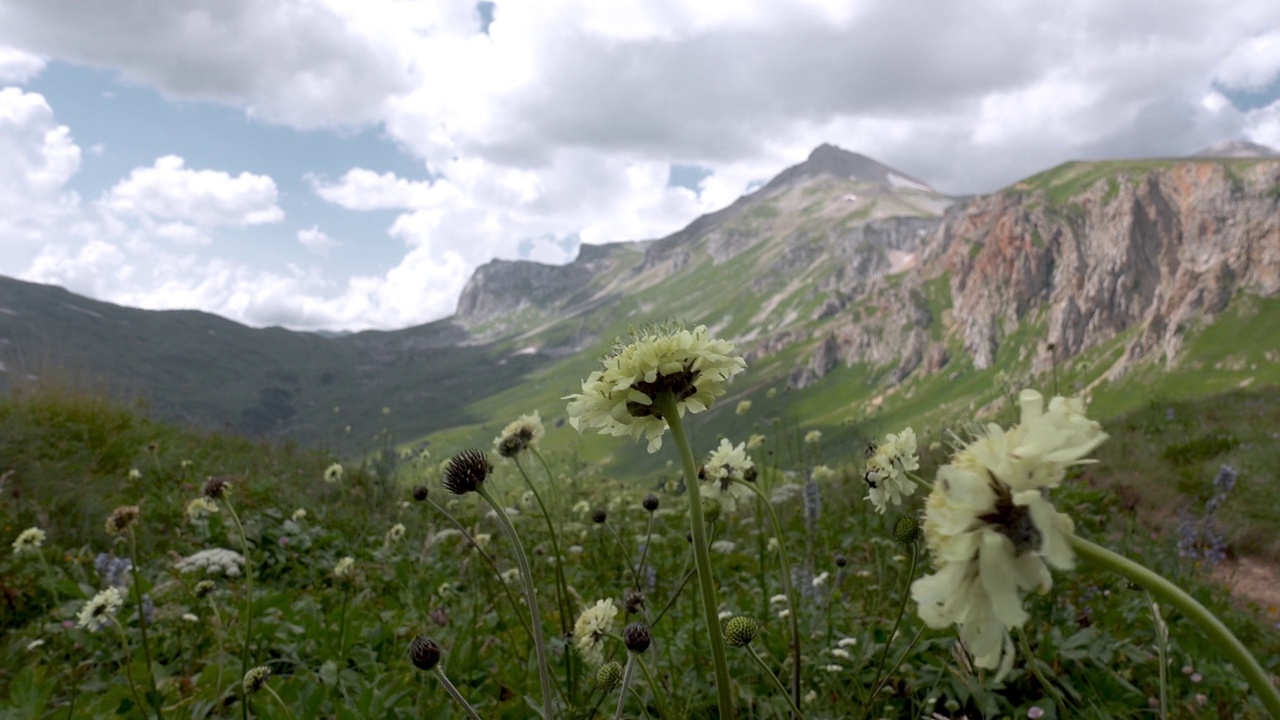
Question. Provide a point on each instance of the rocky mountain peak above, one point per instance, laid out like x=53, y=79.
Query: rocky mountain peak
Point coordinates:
x=837, y=162
x=1238, y=148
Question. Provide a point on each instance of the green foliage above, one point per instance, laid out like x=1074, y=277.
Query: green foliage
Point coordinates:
x=1198, y=450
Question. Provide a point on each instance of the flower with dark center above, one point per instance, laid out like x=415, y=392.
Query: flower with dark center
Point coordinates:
x=216, y=485
x=633, y=602
x=121, y=518
x=255, y=679
x=521, y=434
x=465, y=471
x=424, y=652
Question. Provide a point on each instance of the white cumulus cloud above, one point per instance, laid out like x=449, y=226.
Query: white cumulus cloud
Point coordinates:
x=205, y=198
x=17, y=66
x=316, y=241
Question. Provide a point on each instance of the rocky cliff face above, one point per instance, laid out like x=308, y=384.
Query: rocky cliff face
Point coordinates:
x=1160, y=249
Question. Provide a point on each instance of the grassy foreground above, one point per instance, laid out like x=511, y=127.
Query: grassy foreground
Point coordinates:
x=336, y=643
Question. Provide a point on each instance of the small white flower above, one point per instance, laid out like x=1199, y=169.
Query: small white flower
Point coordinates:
x=755, y=441
x=821, y=473
x=574, y=550
x=298, y=515
x=445, y=534
x=35, y=644
x=344, y=567
x=784, y=613
x=201, y=506
x=523, y=433
x=333, y=473
x=772, y=545
x=887, y=470
x=723, y=547
x=847, y=642
x=726, y=614
x=842, y=654
x=744, y=407
x=821, y=580
x=512, y=575
x=28, y=540
x=833, y=668
x=582, y=507
x=482, y=539
x=212, y=562
x=723, y=467
x=810, y=697
x=813, y=437
x=190, y=617
x=98, y=612
x=395, y=533
x=135, y=474
x=785, y=493
x=778, y=600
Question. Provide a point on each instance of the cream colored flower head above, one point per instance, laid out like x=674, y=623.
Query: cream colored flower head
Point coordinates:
x=333, y=473
x=201, y=506
x=28, y=540
x=345, y=567
x=813, y=437
x=213, y=561
x=887, y=468
x=992, y=531
x=521, y=434
x=298, y=515
x=724, y=465
x=98, y=612
x=590, y=630
x=744, y=407
x=821, y=473
x=395, y=533
x=755, y=441
x=619, y=400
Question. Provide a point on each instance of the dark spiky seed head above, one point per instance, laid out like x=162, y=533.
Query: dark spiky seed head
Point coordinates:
x=420, y=493
x=216, y=486
x=633, y=601
x=650, y=502
x=906, y=530
x=424, y=652
x=599, y=515
x=152, y=447
x=750, y=474
x=256, y=678
x=740, y=631
x=841, y=561
x=121, y=518
x=203, y=588
x=511, y=445
x=465, y=471
x=609, y=676
x=637, y=637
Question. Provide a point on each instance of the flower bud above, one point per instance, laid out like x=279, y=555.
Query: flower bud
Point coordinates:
x=609, y=676
x=637, y=637
x=906, y=529
x=424, y=652
x=465, y=471
x=650, y=502
x=740, y=631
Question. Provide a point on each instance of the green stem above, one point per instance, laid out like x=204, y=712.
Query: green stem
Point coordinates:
x=1162, y=650
x=626, y=683
x=248, y=605
x=279, y=702
x=659, y=693
x=562, y=587
x=453, y=692
x=626, y=556
x=688, y=575
x=128, y=663
x=1034, y=663
x=342, y=621
x=787, y=589
x=776, y=682
x=142, y=623
x=1209, y=624
x=666, y=406
x=884, y=655
x=531, y=597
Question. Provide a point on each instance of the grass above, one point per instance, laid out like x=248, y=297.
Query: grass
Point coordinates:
x=337, y=647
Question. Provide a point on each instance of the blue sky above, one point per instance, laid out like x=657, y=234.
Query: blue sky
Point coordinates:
x=320, y=164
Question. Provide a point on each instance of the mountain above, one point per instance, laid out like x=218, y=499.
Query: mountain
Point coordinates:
x=1237, y=149
x=860, y=297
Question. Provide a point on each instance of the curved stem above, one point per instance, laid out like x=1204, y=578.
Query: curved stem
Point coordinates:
x=287, y=712
x=659, y=693
x=626, y=683
x=644, y=554
x=562, y=586
x=1039, y=674
x=666, y=406
x=787, y=589
x=128, y=663
x=453, y=692
x=884, y=655
x=626, y=556
x=531, y=597
x=142, y=622
x=248, y=605
x=776, y=682
x=1208, y=622
x=1162, y=651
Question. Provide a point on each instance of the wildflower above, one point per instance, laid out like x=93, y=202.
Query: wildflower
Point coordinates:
x=725, y=614
x=743, y=408
x=35, y=644
x=637, y=637
x=190, y=617
x=395, y=533
x=833, y=668
x=298, y=515
x=482, y=539
x=840, y=653
x=650, y=502
x=887, y=469
x=215, y=486
x=333, y=473
x=813, y=437
x=344, y=568
x=424, y=653
x=821, y=473
x=906, y=529
x=121, y=518
x=620, y=398
x=465, y=471
x=992, y=531
x=723, y=547
x=772, y=545
x=590, y=630
x=255, y=679
x=582, y=507
x=521, y=434
x=28, y=540
x=609, y=676
x=445, y=534
x=203, y=588
x=511, y=575
x=821, y=579
x=98, y=612
x=201, y=506
x=755, y=441
x=785, y=493
x=740, y=631
x=633, y=602
x=724, y=465
x=135, y=474
x=213, y=561
x=778, y=600
x=784, y=613
x=847, y=642
x=1035, y=712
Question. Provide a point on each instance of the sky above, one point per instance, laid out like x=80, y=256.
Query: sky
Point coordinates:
x=347, y=164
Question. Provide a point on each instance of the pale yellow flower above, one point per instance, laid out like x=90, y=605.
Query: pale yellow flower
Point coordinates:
x=98, y=612
x=521, y=434
x=28, y=540
x=333, y=473
x=992, y=531
x=298, y=515
x=686, y=363
x=813, y=437
x=744, y=407
x=724, y=465
x=395, y=533
x=344, y=568
x=821, y=473
x=887, y=470
x=755, y=441
x=201, y=506
x=590, y=630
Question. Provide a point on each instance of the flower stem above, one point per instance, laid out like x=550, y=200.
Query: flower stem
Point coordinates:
x=248, y=605
x=776, y=682
x=287, y=712
x=342, y=620
x=786, y=589
x=626, y=683
x=655, y=688
x=128, y=663
x=154, y=696
x=531, y=598
x=666, y=406
x=1209, y=623
x=902, y=606
x=457, y=696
